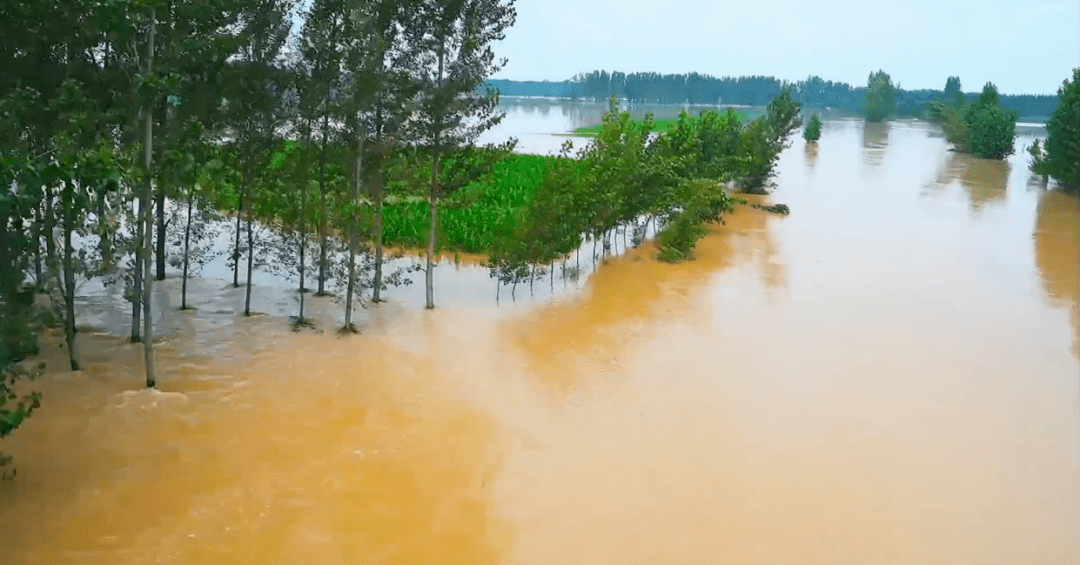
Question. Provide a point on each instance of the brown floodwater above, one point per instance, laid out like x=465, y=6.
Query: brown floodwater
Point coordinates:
x=891, y=374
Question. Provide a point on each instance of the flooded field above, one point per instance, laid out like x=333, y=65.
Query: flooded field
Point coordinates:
x=889, y=374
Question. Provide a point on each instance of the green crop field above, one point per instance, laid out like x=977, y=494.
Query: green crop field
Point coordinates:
x=472, y=219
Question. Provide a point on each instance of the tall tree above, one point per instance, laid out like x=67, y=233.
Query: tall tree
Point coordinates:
x=953, y=94
x=880, y=97
x=454, y=40
x=258, y=84
x=375, y=106
x=148, y=218
x=321, y=52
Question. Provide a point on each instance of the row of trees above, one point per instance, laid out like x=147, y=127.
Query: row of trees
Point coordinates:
x=630, y=176
x=695, y=88
x=112, y=110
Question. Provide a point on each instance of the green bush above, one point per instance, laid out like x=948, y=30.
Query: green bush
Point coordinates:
x=813, y=128
x=680, y=236
x=703, y=202
x=981, y=127
x=993, y=131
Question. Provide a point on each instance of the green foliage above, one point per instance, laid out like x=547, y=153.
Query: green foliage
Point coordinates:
x=1060, y=156
x=880, y=97
x=625, y=174
x=813, y=128
x=782, y=115
x=981, y=127
x=682, y=232
x=702, y=201
x=993, y=131
x=15, y=407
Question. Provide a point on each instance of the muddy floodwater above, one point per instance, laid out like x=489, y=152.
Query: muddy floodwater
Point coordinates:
x=891, y=374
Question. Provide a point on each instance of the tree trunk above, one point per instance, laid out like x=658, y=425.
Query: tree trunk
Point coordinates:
x=303, y=225
x=160, y=234
x=136, y=297
x=105, y=236
x=187, y=255
x=69, y=273
x=429, y=279
x=322, y=207
x=37, y=247
x=50, y=232
x=376, y=291
x=148, y=326
x=236, y=245
x=354, y=233
x=429, y=276
x=251, y=258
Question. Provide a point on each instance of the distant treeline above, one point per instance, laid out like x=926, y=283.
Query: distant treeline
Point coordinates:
x=696, y=88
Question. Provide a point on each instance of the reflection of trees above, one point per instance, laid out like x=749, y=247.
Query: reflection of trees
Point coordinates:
x=632, y=296
x=984, y=180
x=875, y=138
x=1035, y=181
x=810, y=152
x=1057, y=253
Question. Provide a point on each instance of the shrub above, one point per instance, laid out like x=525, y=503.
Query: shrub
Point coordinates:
x=981, y=127
x=813, y=128
x=993, y=131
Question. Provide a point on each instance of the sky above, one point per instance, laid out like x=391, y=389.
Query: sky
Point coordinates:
x=1022, y=46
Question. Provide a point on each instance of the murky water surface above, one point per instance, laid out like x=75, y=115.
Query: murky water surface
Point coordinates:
x=889, y=374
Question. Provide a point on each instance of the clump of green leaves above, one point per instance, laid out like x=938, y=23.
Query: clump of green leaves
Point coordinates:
x=1060, y=156
x=703, y=202
x=813, y=128
x=680, y=236
x=981, y=127
x=14, y=408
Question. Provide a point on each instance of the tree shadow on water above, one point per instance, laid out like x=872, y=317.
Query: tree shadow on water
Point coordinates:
x=810, y=153
x=1057, y=253
x=875, y=141
x=985, y=181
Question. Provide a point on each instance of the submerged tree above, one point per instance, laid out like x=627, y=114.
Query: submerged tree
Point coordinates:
x=992, y=128
x=981, y=127
x=455, y=57
x=1059, y=157
x=762, y=141
x=259, y=81
x=813, y=128
x=880, y=97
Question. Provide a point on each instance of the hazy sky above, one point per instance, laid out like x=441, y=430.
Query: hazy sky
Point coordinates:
x=1022, y=46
